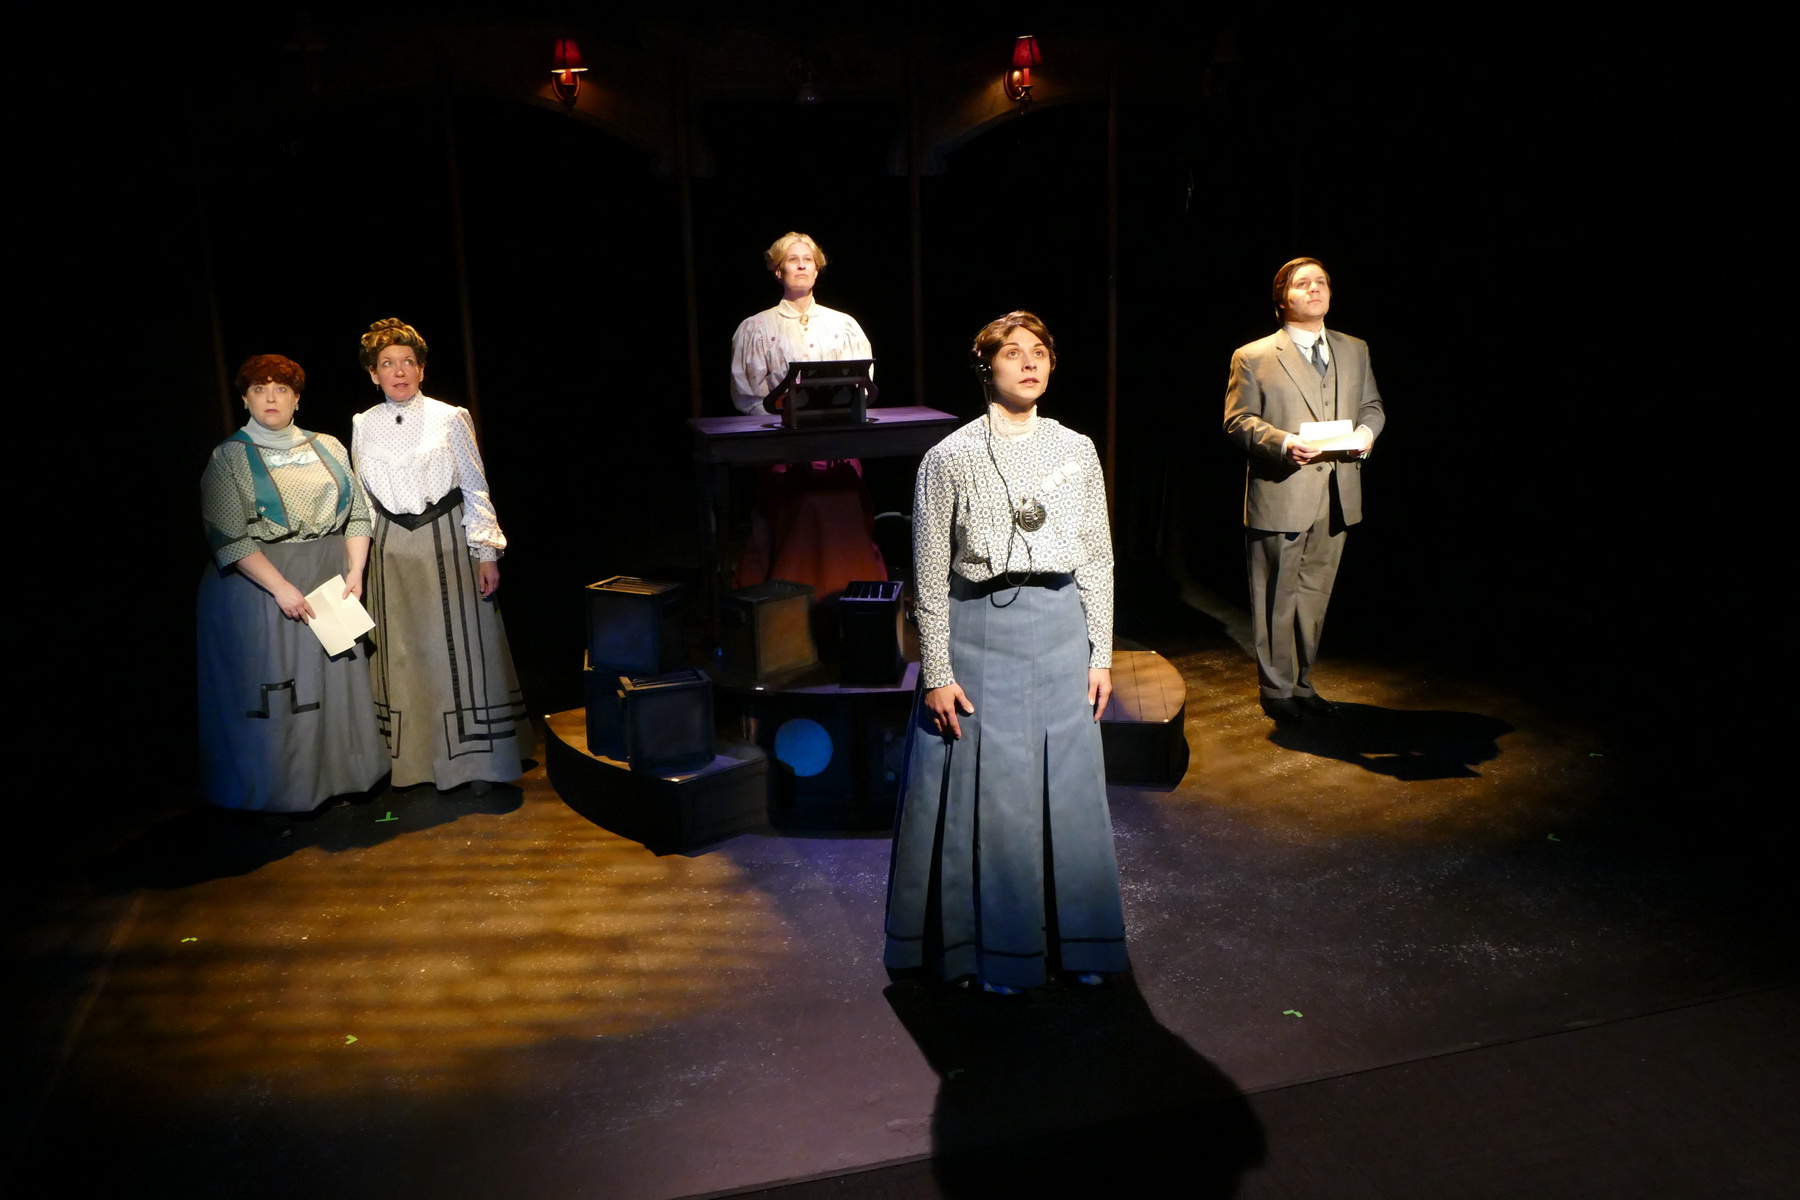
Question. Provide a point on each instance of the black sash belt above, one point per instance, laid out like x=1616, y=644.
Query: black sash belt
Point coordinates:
x=412, y=521
x=965, y=589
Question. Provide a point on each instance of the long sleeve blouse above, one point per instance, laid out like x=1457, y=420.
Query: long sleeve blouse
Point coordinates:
x=962, y=522
x=307, y=498
x=768, y=341
x=411, y=455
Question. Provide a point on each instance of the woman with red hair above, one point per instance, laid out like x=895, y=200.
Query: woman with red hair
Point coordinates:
x=283, y=727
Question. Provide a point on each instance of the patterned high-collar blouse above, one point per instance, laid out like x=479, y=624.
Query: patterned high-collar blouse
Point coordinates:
x=962, y=522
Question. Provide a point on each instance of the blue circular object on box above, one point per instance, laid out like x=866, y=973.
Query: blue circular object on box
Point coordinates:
x=804, y=746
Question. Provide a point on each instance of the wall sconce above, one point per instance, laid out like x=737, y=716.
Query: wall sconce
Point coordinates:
x=1017, y=81
x=565, y=65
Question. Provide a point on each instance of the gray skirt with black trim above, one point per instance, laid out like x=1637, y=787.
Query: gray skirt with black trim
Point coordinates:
x=282, y=727
x=1003, y=864
x=446, y=695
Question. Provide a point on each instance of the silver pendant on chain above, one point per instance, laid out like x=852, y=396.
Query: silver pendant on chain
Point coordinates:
x=1030, y=515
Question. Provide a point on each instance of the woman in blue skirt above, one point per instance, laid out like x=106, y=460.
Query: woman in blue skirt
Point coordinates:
x=1003, y=869
x=283, y=727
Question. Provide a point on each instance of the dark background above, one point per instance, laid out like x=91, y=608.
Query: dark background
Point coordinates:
x=1548, y=235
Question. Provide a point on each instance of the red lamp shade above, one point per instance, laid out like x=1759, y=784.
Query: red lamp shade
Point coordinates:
x=567, y=57
x=1025, y=53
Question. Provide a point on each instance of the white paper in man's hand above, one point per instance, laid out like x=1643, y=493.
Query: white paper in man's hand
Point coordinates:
x=338, y=620
x=1336, y=441
x=1322, y=433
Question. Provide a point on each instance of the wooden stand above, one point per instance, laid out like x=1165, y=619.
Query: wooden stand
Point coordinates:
x=720, y=443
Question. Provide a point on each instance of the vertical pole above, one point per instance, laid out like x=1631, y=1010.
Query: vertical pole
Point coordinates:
x=914, y=151
x=460, y=254
x=1112, y=278
x=221, y=368
x=685, y=198
x=228, y=411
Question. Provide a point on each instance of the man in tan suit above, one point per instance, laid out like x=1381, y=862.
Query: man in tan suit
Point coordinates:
x=1299, y=498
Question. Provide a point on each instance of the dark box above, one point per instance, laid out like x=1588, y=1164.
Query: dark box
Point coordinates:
x=767, y=629
x=837, y=756
x=634, y=625
x=869, y=617
x=667, y=720
x=602, y=692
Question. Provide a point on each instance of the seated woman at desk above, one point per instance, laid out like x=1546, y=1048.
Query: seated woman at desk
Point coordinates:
x=813, y=519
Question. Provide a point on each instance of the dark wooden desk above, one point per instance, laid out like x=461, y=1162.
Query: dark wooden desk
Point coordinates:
x=750, y=440
x=720, y=443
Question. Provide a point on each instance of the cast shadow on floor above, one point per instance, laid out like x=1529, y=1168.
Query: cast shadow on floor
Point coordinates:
x=1410, y=746
x=1072, y=1090
x=209, y=843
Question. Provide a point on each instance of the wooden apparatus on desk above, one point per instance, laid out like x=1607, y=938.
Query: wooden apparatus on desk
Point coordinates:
x=832, y=392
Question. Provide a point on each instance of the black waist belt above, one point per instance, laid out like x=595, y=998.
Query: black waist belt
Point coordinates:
x=968, y=589
x=412, y=521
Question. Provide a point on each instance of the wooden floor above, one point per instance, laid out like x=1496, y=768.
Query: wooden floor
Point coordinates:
x=1693, y=1103
x=1454, y=942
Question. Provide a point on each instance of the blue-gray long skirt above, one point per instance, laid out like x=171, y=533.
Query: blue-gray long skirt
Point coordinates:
x=282, y=727
x=1003, y=862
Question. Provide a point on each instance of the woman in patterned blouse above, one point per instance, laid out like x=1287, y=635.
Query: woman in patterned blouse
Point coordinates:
x=1005, y=792
x=446, y=693
x=282, y=727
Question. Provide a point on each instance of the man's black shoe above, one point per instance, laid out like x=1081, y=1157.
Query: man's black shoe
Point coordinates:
x=1315, y=706
x=1282, y=710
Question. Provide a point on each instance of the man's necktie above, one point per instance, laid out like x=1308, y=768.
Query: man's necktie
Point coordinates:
x=1318, y=359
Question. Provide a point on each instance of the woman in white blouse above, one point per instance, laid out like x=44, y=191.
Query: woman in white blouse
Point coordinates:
x=813, y=519
x=1004, y=803
x=797, y=329
x=282, y=727
x=446, y=693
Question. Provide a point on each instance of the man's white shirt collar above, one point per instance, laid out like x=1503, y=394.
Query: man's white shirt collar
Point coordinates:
x=1304, y=339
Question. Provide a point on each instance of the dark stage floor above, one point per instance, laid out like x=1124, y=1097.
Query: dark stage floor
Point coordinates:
x=1457, y=943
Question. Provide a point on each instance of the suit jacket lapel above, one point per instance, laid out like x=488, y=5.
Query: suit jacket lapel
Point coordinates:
x=1302, y=372
x=1349, y=376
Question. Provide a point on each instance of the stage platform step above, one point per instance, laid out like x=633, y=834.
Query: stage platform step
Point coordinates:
x=857, y=736
x=668, y=813
x=1143, y=729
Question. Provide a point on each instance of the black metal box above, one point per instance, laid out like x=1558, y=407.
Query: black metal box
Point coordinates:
x=667, y=720
x=634, y=625
x=869, y=624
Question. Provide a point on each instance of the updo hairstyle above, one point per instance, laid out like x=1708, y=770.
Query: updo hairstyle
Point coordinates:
x=390, y=332
x=993, y=336
x=270, y=368
x=776, y=254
